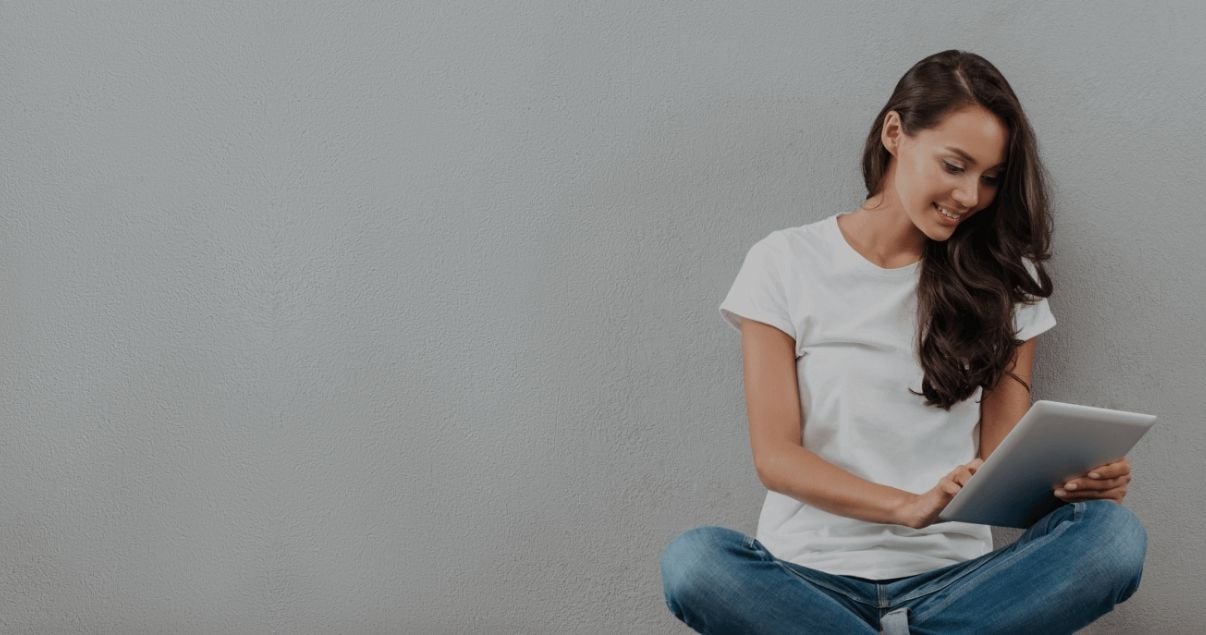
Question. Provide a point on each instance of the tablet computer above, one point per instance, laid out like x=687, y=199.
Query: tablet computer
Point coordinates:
x=1052, y=443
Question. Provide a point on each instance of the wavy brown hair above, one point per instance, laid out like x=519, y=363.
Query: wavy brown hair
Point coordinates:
x=970, y=283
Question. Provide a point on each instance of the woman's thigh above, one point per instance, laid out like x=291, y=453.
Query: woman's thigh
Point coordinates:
x=1070, y=568
x=718, y=580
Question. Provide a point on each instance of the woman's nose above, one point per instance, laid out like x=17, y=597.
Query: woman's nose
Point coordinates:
x=967, y=199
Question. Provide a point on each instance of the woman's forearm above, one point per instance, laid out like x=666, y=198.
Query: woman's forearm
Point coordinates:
x=802, y=474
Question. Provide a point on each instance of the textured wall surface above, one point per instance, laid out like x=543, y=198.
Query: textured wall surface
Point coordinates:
x=374, y=317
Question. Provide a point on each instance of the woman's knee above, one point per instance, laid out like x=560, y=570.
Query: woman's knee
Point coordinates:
x=694, y=554
x=1120, y=541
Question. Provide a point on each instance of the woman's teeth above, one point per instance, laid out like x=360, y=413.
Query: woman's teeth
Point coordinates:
x=946, y=213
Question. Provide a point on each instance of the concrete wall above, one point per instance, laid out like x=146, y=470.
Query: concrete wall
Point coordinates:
x=402, y=317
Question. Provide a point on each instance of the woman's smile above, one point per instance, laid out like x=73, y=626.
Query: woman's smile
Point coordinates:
x=949, y=219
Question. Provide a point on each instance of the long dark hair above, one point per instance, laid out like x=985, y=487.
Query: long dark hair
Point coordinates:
x=970, y=282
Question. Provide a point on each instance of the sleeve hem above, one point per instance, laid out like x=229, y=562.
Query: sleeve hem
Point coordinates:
x=1034, y=330
x=733, y=318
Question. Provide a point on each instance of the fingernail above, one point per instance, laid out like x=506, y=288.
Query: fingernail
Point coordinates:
x=1071, y=486
x=1094, y=475
x=1060, y=492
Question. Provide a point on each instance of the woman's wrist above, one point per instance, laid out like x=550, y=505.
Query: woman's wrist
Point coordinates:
x=902, y=510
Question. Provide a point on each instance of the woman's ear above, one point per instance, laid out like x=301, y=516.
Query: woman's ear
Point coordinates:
x=889, y=135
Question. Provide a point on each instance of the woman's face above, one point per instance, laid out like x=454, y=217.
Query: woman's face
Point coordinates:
x=957, y=165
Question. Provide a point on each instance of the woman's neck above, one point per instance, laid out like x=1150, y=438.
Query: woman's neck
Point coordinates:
x=885, y=236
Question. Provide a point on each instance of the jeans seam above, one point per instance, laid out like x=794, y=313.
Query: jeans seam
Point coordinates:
x=752, y=543
x=920, y=593
x=824, y=584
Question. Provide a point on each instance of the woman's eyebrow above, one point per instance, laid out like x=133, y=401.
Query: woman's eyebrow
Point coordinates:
x=968, y=157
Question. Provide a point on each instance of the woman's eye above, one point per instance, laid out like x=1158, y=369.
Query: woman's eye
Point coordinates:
x=954, y=169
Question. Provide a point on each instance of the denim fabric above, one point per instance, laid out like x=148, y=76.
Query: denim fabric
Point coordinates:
x=1068, y=569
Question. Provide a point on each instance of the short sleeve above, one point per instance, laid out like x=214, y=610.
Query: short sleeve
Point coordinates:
x=1030, y=320
x=759, y=293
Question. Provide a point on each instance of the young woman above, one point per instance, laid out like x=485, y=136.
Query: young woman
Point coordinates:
x=887, y=351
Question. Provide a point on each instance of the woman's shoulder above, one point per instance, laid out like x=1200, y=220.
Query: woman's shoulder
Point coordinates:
x=800, y=244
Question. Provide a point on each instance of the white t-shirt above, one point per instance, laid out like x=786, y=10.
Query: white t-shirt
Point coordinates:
x=854, y=324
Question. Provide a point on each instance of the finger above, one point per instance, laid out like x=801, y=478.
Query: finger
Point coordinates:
x=1114, y=471
x=1093, y=484
x=1110, y=470
x=1116, y=493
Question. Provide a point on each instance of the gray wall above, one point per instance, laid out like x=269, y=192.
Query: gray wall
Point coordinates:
x=382, y=317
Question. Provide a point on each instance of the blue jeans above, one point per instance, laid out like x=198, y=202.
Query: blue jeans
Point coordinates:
x=1068, y=569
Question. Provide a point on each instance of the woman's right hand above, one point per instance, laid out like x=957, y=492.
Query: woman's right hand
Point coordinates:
x=922, y=510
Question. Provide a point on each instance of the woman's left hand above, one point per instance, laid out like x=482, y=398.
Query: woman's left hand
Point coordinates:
x=1107, y=481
